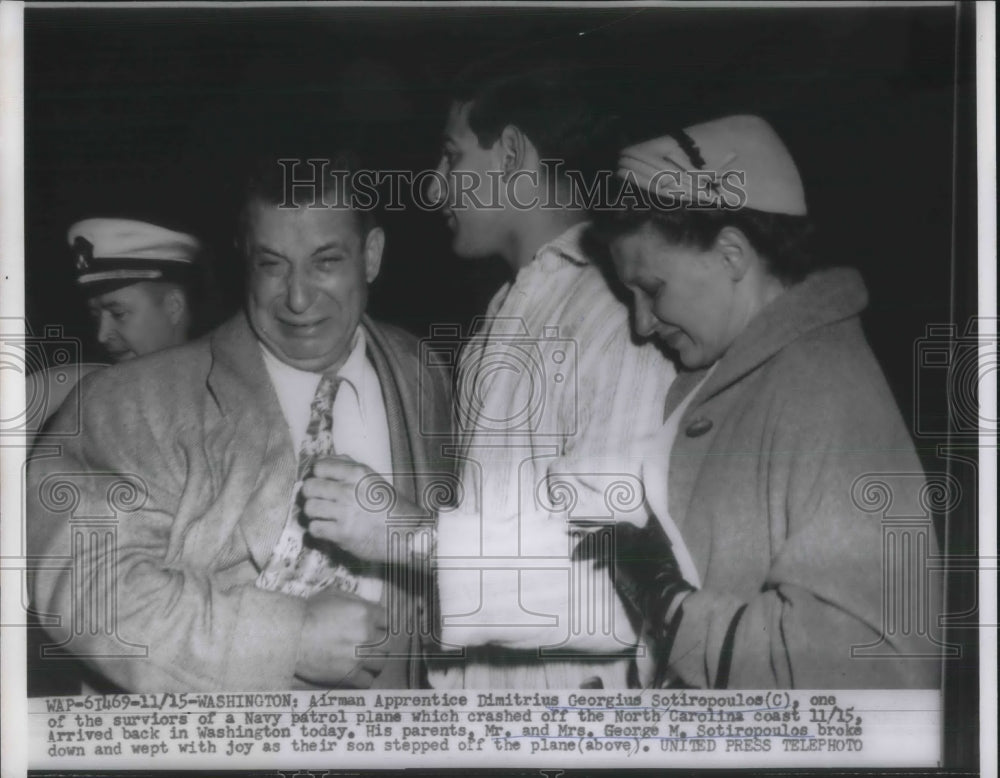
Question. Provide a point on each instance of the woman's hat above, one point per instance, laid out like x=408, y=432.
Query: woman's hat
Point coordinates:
x=734, y=162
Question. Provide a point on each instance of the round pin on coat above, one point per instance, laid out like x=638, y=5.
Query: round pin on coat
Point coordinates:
x=698, y=427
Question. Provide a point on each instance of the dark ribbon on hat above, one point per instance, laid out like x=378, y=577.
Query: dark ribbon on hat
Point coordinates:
x=689, y=147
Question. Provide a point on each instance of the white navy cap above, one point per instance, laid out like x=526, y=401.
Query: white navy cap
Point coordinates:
x=746, y=148
x=112, y=253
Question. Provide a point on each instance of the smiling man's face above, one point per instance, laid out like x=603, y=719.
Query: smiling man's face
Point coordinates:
x=309, y=270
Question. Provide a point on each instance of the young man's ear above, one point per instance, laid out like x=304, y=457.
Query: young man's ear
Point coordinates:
x=373, y=248
x=514, y=148
x=736, y=251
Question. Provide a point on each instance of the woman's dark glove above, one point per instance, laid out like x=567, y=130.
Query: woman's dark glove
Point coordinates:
x=649, y=580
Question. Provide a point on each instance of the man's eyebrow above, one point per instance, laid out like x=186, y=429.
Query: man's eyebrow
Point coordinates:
x=268, y=250
x=336, y=243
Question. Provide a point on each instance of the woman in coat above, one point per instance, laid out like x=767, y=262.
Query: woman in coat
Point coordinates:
x=782, y=569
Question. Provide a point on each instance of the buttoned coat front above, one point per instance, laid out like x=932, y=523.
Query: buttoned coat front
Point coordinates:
x=775, y=481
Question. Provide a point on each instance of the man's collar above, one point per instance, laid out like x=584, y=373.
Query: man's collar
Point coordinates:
x=351, y=372
x=566, y=246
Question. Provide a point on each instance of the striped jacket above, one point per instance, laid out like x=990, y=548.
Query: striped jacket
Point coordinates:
x=553, y=401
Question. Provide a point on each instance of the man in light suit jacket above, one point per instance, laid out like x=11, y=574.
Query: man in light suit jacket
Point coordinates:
x=186, y=472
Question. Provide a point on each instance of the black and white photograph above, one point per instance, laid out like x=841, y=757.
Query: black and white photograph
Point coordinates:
x=524, y=386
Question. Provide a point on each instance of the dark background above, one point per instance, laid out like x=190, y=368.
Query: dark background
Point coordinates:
x=144, y=112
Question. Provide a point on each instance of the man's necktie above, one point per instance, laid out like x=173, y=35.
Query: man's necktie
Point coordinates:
x=298, y=566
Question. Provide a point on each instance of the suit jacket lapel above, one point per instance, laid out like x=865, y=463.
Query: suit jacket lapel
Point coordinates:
x=252, y=435
x=408, y=463
x=406, y=460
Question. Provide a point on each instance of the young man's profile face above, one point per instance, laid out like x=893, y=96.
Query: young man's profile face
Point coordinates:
x=309, y=270
x=472, y=205
x=134, y=320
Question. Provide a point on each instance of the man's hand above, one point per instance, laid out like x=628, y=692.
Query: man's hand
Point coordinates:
x=337, y=623
x=335, y=513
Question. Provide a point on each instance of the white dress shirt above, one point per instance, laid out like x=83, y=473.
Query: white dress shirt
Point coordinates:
x=360, y=425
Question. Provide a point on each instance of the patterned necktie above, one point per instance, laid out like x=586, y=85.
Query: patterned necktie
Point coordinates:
x=296, y=566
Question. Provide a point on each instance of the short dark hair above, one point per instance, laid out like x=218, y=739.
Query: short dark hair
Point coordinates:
x=264, y=180
x=784, y=241
x=550, y=103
